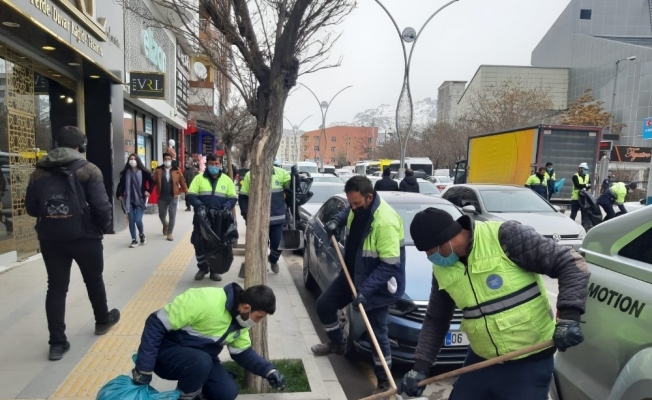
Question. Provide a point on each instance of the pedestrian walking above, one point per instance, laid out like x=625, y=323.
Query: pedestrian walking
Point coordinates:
x=375, y=255
x=183, y=340
x=581, y=182
x=213, y=189
x=386, y=183
x=189, y=173
x=538, y=183
x=492, y=272
x=169, y=183
x=135, y=186
x=615, y=195
x=67, y=196
x=280, y=180
x=409, y=183
x=551, y=178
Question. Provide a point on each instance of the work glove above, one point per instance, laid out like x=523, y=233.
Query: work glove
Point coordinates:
x=275, y=379
x=359, y=299
x=141, y=378
x=588, y=186
x=409, y=383
x=331, y=227
x=567, y=334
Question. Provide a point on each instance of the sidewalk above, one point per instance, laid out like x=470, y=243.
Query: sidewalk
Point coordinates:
x=138, y=282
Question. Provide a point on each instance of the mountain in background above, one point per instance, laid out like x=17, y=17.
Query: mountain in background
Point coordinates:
x=384, y=116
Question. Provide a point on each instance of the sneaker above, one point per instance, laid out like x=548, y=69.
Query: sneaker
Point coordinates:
x=382, y=387
x=324, y=349
x=274, y=267
x=188, y=209
x=114, y=318
x=57, y=350
x=143, y=240
x=200, y=275
x=215, y=277
x=165, y=229
x=134, y=243
x=170, y=238
x=241, y=273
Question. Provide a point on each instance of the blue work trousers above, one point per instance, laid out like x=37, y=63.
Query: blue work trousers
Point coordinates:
x=509, y=381
x=195, y=370
x=275, y=234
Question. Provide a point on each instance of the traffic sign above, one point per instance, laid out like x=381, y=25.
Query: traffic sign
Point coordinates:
x=647, y=128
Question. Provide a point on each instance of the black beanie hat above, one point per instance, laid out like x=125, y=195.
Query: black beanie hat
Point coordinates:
x=387, y=171
x=433, y=227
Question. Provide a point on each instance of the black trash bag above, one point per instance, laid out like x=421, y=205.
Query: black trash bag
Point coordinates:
x=304, y=183
x=219, y=231
x=591, y=213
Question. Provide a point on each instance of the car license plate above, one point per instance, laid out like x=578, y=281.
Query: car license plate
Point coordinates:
x=456, y=339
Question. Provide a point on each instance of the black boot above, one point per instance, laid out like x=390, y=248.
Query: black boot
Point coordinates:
x=114, y=318
x=57, y=350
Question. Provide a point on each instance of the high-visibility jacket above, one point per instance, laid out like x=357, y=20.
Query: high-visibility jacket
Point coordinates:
x=583, y=180
x=212, y=193
x=615, y=194
x=201, y=319
x=538, y=185
x=551, y=178
x=280, y=180
x=505, y=308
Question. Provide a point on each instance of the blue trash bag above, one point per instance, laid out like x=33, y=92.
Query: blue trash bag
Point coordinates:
x=123, y=388
x=559, y=185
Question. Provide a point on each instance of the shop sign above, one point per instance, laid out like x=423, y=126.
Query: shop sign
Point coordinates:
x=207, y=144
x=631, y=154
x=152, y=50
x=150, y=85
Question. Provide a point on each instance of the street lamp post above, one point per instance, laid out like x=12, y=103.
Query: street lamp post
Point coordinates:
x=405, y=107
x=295, y=129
x=323, y=107
x=613, y=97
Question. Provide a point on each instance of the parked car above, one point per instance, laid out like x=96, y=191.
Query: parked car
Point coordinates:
x=426, y=187
x=332, y=178
x=321, y=191
x=321, y=265
x=442, y=182
x=507, y=202
x=344, y=173
x=615, y=360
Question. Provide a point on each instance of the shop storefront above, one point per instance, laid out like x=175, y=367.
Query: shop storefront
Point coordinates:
x=60, y=64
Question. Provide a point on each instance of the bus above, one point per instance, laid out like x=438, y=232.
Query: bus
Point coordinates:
x=367, y=167
x=415, y=164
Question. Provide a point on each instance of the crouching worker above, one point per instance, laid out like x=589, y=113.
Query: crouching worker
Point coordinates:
x=182, y=341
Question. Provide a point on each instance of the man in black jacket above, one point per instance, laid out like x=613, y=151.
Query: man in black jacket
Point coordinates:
x=387, y=184
x=409, y=183
x=60, y=251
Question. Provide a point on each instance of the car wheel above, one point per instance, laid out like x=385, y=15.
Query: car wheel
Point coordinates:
x=346, y=324
x=308, y=280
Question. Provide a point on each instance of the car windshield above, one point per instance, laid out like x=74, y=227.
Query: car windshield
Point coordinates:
x=514, y=201
x=322, y=193
x=330, y=179
x=428, y=188
x=408, y=211
x=444, y=179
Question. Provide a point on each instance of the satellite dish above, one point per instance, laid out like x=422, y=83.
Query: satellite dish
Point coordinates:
x=409, y=34
x=200, y=70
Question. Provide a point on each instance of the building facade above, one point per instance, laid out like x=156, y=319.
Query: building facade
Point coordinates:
x=589, y=37
x=448, y=96
x=339, y=145
x=290, y=147
x=61, y=63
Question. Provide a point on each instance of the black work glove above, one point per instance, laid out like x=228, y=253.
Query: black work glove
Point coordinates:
x=332, y=228
x=141, y=378
x=359, y=299
x=275, y=379
x=567, y=334
x=409, y=383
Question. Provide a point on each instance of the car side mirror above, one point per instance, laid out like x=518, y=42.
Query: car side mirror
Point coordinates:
x=470, y=209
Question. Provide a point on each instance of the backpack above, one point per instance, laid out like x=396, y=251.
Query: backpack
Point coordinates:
x=64, y=213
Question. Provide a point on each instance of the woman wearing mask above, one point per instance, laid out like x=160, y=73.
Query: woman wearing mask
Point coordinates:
x=135, y=186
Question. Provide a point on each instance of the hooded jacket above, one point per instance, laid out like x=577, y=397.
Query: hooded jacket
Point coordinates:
x=409, y=184
x=386, y=184
x=91, y=180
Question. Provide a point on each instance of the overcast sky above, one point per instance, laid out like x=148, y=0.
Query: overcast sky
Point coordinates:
x=460, y=38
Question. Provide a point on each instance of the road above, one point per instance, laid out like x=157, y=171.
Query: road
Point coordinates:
x=356, y=375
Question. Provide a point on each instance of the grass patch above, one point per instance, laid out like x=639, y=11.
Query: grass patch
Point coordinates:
x=295, y=376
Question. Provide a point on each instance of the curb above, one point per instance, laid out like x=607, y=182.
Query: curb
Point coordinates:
x=17, y=264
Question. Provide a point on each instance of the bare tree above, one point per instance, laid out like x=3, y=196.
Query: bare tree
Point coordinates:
x=586, y=111
x=443, y=142
x=236, y=126
x=267, y=45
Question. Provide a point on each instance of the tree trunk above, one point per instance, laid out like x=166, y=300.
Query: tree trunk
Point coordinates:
x=229, y=161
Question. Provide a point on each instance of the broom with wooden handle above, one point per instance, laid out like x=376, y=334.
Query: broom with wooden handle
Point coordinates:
x=392, y=384
x=473, y=367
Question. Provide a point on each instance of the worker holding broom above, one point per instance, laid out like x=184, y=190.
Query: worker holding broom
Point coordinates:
x=492, y=272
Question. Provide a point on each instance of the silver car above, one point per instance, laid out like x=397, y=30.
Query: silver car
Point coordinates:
x=516, y=203
x=615, y=360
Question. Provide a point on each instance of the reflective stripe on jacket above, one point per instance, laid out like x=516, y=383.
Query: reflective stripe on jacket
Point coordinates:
x=505, y=308
x=212, y=193
x=583, y=180
x=280, y=179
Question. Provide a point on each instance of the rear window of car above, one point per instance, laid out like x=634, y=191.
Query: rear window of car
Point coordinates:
x=639, y=249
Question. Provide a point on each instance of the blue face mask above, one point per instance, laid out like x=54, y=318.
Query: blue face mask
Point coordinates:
x=213, y=170
x=585, y=171
x=549, y=169
x=437, y=258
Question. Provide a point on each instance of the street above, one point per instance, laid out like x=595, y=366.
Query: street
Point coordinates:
x=356, y=374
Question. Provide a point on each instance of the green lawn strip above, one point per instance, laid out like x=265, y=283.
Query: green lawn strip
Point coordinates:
x=295, y=375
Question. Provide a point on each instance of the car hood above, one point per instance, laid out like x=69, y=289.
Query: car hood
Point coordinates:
x=311, y=208
x=544, y=223
x=418, y=274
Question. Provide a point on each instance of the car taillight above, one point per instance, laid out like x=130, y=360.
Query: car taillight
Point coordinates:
x=441, y=187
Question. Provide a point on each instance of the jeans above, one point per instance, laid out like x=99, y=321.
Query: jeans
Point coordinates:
x=136, y=220
x=195, y=370
x=337, y=296
x=168, y=206
x=58, y=257
x=275, y=234
x=509, y=381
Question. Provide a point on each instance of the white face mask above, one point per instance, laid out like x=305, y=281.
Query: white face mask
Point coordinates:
x=167, y=164
x=133, y=163
x=249, y=323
